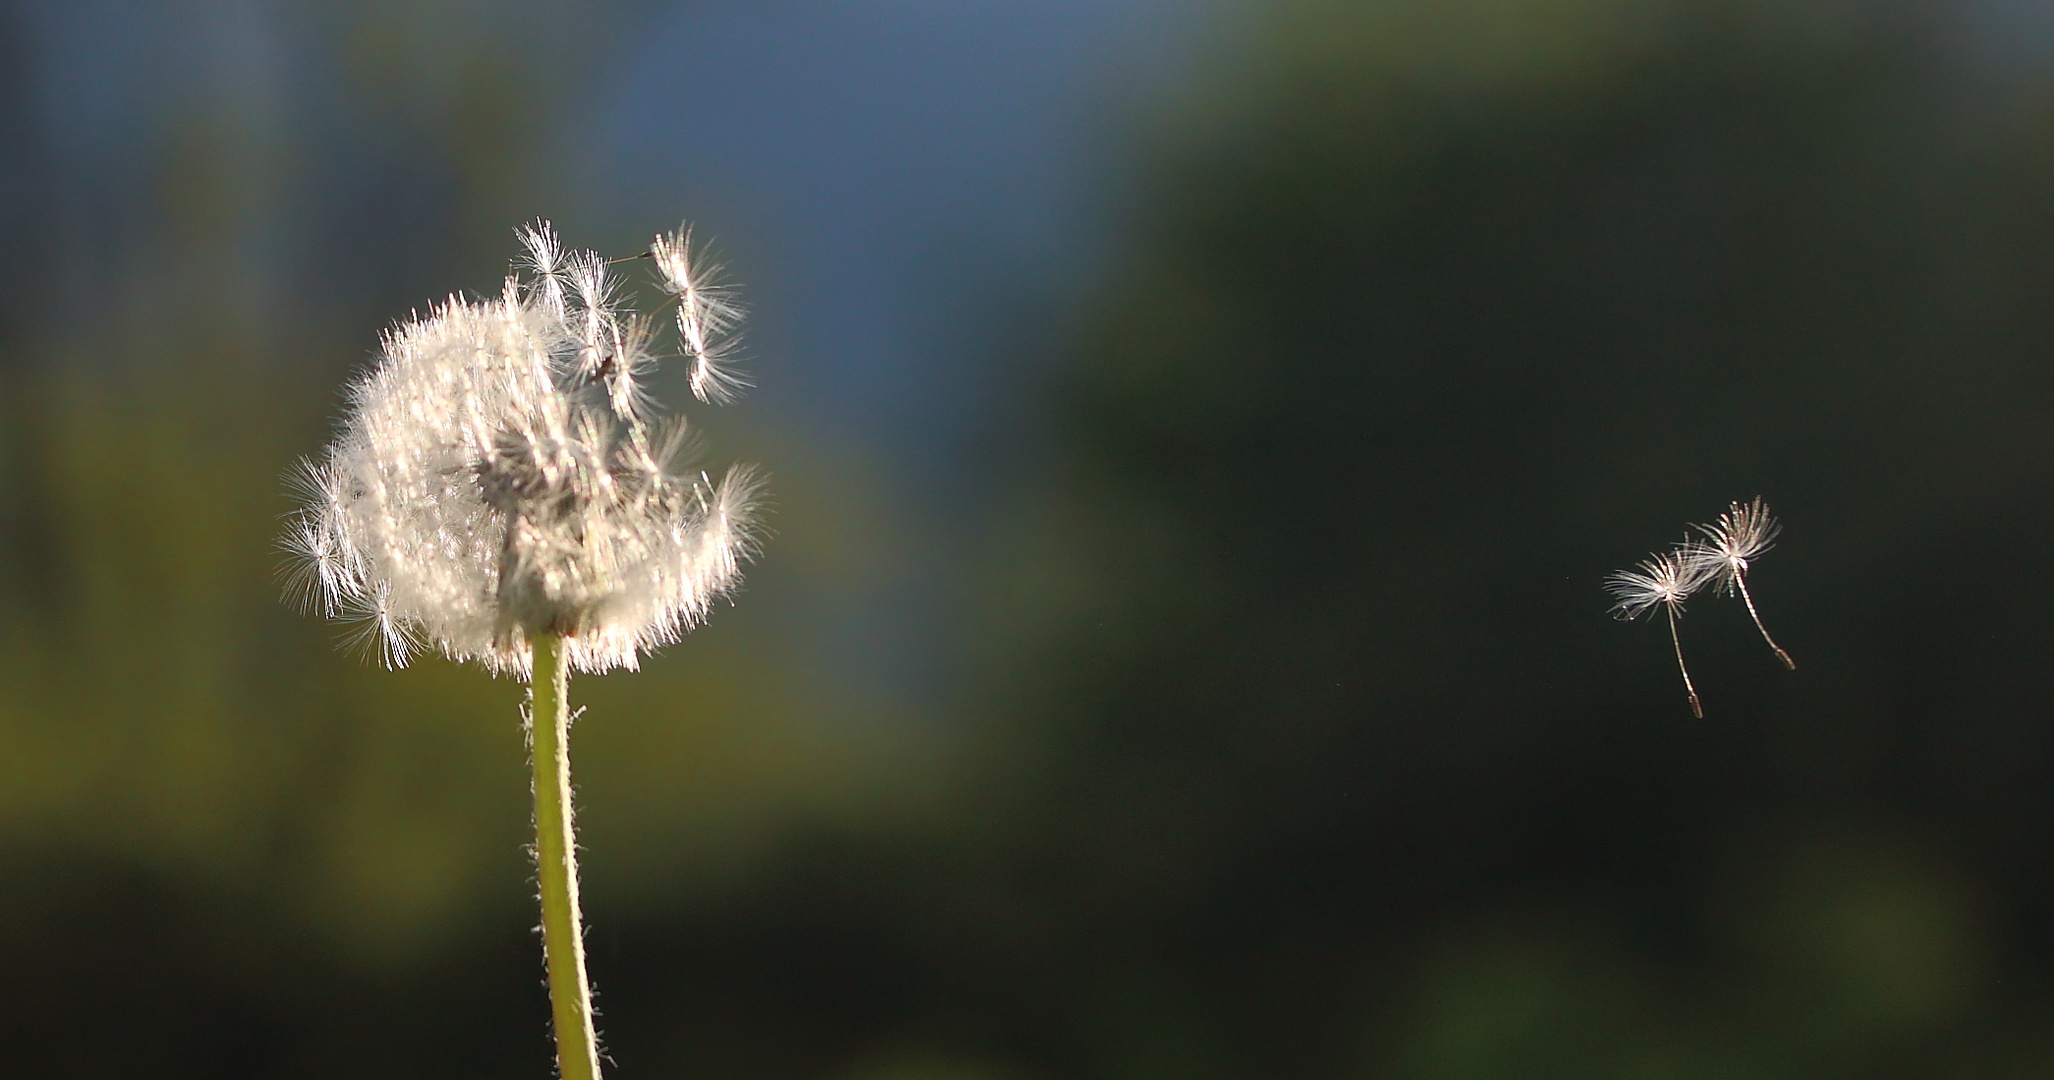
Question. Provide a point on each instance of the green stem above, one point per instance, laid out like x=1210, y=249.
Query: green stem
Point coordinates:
x=556, y=862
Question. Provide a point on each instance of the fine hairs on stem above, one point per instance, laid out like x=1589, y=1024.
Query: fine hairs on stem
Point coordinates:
x=556, y=864
x=503, y=491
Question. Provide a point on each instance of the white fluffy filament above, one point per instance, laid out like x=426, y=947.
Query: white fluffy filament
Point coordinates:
x=1740, y=536
x=497, y=476
x=1663, y=581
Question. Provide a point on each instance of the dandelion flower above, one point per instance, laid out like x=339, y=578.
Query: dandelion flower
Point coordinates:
x=1663, y=581
x=1740, y=536
x=499, y=476
x=501, y=491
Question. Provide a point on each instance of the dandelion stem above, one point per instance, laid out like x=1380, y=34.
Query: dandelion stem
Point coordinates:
x=1741, y=580
x=1697, y=709
x=556, y=862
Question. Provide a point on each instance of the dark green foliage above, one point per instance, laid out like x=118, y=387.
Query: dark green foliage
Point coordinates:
x=1410, y=357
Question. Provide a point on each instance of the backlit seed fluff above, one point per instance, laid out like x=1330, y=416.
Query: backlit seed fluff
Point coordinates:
x=499, y=473
x=1740, y=536
x=1663, y=581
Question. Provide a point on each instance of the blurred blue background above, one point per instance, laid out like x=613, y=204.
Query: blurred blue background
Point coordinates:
x=1198, y=432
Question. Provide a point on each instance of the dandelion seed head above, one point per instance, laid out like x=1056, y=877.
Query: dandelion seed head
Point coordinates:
x=500, y=473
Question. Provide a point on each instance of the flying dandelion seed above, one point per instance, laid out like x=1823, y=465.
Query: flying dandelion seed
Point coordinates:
x=1663, y=581
x=1740, y=536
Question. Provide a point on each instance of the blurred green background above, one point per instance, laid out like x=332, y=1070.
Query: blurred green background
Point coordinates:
x=1199, y=433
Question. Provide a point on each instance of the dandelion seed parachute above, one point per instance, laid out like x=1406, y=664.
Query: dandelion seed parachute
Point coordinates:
x=1664, y=581
x=1740, y=536
x=1659, y=580
x=499, y=475
x=707, y=314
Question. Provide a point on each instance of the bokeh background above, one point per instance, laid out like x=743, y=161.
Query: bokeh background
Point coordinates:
x=1199, y=432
